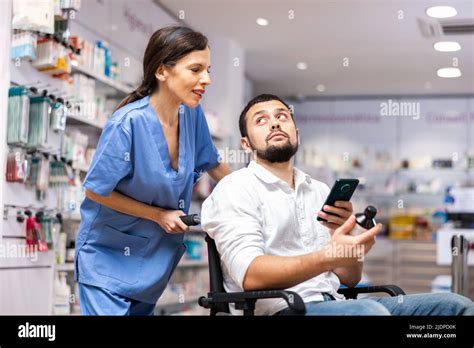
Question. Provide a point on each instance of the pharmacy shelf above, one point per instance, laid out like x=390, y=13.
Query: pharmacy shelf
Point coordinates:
x=82, y=168
x=72, y=217
x=396, y=194
x=365, y=171
x=83, y=120
x=433, y=169
x=174, y=307
x=69, y=267
x=405, y=193
x=118, y=86
x=196, y=229
x=436, y=170
x=25, y=74
x=65, y=267
x=23, y=196
x=193, y=263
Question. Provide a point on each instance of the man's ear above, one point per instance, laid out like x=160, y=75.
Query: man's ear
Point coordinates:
x=161, y=74
x=298, y=136
x=244, y=142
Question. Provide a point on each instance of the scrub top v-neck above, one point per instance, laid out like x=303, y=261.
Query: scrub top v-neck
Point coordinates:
x=159, y=137
x=131, y=256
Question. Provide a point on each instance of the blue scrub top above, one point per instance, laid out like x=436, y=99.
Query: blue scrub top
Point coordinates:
x=131, y=256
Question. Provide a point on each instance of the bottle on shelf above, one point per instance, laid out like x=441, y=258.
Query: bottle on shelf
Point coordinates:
x=62, y=294
x=448, y=199
x=61, y=248
x=70, y=251
x=194, y=248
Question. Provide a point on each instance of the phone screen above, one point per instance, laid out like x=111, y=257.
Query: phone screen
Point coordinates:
x=342, y=190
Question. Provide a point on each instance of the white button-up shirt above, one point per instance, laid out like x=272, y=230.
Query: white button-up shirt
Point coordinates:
x=252, y=212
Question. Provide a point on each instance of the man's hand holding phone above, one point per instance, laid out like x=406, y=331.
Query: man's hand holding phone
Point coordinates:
x=337, y=208
x=335, y=216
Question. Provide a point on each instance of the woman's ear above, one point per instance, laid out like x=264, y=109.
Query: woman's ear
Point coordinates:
x=161, y=74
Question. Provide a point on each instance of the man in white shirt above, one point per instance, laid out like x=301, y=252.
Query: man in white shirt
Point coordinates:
x=263, y=220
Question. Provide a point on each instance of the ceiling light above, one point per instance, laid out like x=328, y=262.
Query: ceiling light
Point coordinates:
x=449, y=72
x=320, y=88
x=441, y=11
x=262, y=21
x=447, y=46
x=302, y=66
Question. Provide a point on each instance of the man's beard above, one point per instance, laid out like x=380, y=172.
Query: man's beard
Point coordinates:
x=278, y=154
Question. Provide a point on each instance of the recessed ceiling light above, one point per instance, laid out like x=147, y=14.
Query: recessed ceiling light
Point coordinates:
x=449, y=72
x=441, y=11
x=447, y=46
x=262, y=21
x=320, y=88
x=302, y=66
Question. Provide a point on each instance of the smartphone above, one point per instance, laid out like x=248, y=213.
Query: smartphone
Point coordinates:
x=342, y=190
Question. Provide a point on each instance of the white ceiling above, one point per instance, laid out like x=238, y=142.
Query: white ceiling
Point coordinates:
x=387, y=55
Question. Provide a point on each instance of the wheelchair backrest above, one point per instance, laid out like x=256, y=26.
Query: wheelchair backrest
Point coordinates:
x=215, y=270
x=216, y=279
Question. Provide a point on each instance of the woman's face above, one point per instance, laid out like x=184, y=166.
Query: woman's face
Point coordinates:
x=188, y=79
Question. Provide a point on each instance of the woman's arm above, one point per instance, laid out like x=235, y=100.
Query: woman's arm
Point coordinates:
x=217, y=173
x=168, y=219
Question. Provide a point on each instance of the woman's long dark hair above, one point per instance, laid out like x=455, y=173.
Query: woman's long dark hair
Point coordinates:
x=166, y=46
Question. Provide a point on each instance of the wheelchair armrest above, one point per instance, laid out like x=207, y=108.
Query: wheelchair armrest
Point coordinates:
x=392, y=290
x=246, y=300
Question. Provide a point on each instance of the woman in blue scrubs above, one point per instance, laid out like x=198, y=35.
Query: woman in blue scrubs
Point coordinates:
x=150, y=154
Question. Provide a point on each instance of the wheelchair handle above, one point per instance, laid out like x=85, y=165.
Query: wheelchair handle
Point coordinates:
x=191, y=219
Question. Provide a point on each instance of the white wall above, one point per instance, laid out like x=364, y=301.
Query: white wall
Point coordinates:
x=225, y=96
x=249, y=91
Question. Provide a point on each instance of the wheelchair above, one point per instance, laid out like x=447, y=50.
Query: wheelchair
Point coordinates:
x=218, y=300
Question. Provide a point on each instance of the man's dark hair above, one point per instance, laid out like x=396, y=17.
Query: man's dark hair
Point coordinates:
x=258, y=99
